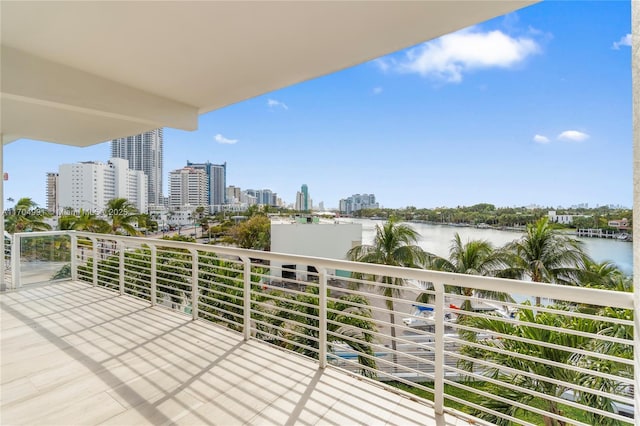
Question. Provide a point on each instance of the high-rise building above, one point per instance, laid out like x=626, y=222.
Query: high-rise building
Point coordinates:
x=52, y=193
x=188, y=186
x=90, y=185
x=358, y=202
x=233, y=194
x=265, y=197
x=305, y=206
x=144, y=152
x=216, y=181
x=299, y=205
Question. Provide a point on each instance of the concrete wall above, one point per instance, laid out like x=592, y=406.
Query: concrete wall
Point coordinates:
x=312, y=239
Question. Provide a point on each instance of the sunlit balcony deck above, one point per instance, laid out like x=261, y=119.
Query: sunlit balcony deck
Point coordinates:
x=77, y=354
x=160, y=332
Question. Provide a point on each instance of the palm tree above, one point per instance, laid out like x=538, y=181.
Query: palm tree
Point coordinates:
x=393, y=245
x=544, y=255
x=84, y=221
x=26, y=216
x=122, y=215
x=605, y=275
x=148, y=222
x=523, y=357
x=475, y=257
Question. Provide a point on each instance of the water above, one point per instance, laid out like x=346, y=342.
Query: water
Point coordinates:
x=437, y=239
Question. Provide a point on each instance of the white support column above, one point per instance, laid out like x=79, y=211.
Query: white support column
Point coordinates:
x=3, y=284
x=635, y=92
x=322, y=317
x=247, y=298
x=438, y=375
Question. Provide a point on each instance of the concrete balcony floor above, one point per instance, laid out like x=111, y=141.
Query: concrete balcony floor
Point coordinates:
x=75, y=354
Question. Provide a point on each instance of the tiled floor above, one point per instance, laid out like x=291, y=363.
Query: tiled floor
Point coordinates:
x=73, y=354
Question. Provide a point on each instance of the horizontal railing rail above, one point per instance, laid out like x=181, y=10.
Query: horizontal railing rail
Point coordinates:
x=569, y=360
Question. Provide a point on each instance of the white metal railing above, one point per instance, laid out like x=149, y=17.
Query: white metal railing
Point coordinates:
x=570, y=360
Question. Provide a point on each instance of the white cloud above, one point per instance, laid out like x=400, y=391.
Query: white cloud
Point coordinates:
x=384, y=63
x=272, y=103
x=541, y=139
x=573, y=136
x=624, y=41
x=221, y=139
x=377, y=90
x=449, y=57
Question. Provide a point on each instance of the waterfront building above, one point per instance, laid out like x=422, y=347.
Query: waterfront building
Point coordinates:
x=188, y=186
x=216, y=181
x=564, y=219
x=144, y=152
x=621, y=225
x=52, y=193
x=358, y=202
x=90, y=185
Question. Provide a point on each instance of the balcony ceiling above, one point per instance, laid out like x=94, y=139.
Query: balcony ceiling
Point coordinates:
x=81, y=73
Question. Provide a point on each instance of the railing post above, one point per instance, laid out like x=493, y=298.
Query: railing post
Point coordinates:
x=74, y=256
x=322, y=317
x=154, y=275
x=438, y=376
x=247, y=298
x=94, y=244
x=194, y=284
x=15, y=261
x=121, y=267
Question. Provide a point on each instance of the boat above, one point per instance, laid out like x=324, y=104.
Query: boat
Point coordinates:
x=423, y=316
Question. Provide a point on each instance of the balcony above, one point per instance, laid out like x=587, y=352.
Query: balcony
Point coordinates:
x=154, y=331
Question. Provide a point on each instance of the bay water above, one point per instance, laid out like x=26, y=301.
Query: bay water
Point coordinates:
x=437, y=239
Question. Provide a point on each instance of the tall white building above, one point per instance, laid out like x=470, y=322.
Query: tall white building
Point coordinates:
x=90, y=185
x=144, y=152
x=52, y=193
x=188, y=186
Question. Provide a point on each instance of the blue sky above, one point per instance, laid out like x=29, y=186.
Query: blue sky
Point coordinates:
x=532, y=107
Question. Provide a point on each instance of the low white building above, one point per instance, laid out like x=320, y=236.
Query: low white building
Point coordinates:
x=564, y=219
x=311, y=237
x=181, y=215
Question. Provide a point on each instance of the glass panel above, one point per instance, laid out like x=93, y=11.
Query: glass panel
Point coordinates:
x=44, y=258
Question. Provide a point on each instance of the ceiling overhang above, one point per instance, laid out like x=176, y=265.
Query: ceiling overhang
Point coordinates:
x=80, y=73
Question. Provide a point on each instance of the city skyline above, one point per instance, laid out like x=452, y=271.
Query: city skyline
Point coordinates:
x=530, y=108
